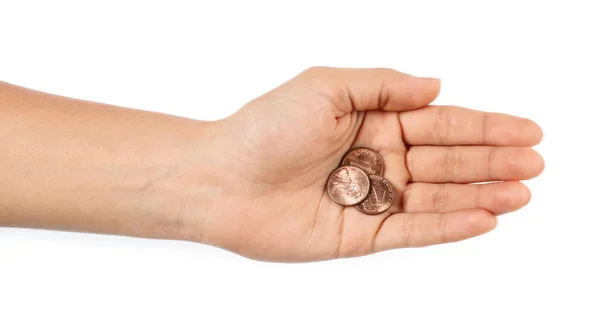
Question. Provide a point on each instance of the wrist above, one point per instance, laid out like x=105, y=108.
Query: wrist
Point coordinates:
x=187, y=191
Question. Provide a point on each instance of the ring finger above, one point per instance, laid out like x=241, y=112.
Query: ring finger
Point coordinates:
x=497, y=198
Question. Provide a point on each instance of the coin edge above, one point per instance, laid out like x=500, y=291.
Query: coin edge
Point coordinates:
x=391, y=203
x=376, y=153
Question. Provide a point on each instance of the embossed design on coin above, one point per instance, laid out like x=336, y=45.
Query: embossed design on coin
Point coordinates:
x=380, y=198
x=348, y=185
x=366, y=159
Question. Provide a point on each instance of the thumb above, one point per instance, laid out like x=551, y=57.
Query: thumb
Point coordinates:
x=373, y=88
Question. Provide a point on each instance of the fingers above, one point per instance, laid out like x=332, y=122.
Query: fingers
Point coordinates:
x=497, y=198
x=472, y=164
x=422, y=229
x=448, y=125
x=372, y=88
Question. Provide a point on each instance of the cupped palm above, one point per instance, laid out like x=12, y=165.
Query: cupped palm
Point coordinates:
x=282, y=146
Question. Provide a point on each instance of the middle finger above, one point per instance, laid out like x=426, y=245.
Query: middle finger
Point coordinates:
x=465, y=164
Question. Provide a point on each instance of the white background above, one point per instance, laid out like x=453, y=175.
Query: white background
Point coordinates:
x=204, y=59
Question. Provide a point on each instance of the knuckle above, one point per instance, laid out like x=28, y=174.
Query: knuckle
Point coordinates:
x=489, y=162
x=484, y=127
x=442, y=236
x=409, y=230
x=441, y=198
x=477, y=196
x=442, y=124
x=452, y=163
x=326, y=81
x=410, y=164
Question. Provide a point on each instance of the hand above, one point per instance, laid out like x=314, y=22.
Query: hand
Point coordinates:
x=279, y=149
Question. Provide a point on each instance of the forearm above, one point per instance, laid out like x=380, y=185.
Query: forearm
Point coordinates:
x=75, y=165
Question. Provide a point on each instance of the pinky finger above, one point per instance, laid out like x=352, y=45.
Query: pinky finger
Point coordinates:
x=404, y=230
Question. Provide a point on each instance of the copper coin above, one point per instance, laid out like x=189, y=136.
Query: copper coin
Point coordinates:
x=348, y=185
x=380, y=198
x=366, y=159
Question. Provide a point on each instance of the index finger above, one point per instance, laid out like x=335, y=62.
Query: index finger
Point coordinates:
x=453, y=126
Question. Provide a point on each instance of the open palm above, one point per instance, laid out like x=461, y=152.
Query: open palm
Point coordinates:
x=282, y=146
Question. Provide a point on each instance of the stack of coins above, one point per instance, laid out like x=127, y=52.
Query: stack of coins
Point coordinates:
x=359, y=182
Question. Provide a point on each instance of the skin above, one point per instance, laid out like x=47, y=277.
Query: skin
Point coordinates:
x=253, y=183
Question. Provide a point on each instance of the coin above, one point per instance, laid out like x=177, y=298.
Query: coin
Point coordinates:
x=366, y=159
x=348, y=185
x=380, y=198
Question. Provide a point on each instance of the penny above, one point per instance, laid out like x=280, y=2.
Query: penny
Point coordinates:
x=348, y=185
x=366, y=159
x=380, y=198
